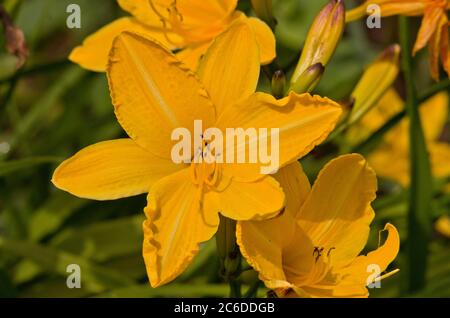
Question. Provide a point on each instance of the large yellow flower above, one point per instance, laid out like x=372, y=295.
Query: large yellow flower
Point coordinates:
x=391, y=158
x=433, y=31
x=312, y=249
x=153, y=93
x=189, y=25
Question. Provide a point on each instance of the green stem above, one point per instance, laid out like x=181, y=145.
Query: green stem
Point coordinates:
x=253, y=290
x=235, y=288
x=436, y=88
x=419, y=223
x=229, y=254
x=9, y=94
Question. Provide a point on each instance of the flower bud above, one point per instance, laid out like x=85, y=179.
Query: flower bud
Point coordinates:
x=323, y=37
x=376, y=80
x=309, y=79
x=226, y=237
x=249, y=276
x=278, y=84
x=227, y=247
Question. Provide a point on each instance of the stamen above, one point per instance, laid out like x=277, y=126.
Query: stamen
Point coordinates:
x=387, y=275
x=163, y=18
x=166, y=36
x=165, y=22
x=317, y=252
x=329, y=251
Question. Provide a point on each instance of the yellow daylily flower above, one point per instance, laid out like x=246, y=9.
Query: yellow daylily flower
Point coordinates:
x=153, y=93
x=433, y=31
x=186, y=25
x=312, y=249
x=391, y=158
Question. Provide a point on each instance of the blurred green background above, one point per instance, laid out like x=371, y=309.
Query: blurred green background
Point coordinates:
x=51, y=108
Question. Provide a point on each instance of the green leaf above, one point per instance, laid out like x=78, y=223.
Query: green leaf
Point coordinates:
x=13, y=166
x=94, y=278
x=39, y=112
x=97, y=242
x=103, y=241
x=52, y=214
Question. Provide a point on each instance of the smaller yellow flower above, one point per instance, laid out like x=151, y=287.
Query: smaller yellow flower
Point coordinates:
x=391, y=158
x=186, y=25
x=312, y=249
x=433, y=31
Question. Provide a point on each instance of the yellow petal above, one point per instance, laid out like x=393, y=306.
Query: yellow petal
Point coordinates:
x=356, y=13
x=434, y=47
x=93, y=53
x=295, y=185
x=176, y=224
x=251, y=200
x=391, y=159
x=351, y=281
x=262, y=242
x=430, y=23
x=337, y=290
x=110, y=170
x=141, y=10
x=433, y=113
x=440, y=159
x=265, y=39
x=264, y=255
x=337, y=213
x=445, y=48
x=209, y=12
x=199, y=21
x=191, y=55
x=153, y=93
x=230, y=67
x=387, y=8
x=402, y=7
x=304, y=121
x=391, y=162
x=382, y=257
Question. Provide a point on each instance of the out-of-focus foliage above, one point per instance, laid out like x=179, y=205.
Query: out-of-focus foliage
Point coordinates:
x=50, y=108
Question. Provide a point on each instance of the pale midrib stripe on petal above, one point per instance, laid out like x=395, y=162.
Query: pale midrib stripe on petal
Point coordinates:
x=153, y=88
x=285, y=128
x=187, y=205
x=318, y=237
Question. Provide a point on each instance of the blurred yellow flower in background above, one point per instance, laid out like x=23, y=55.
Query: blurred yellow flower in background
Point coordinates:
x=442, y=226
x=186, y=25
x=433, y=31
x=153, y=93
x=391, y=158
x=312, y=249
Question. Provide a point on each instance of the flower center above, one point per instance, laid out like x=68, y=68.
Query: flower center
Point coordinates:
x=204, y=168
x=187, y=25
